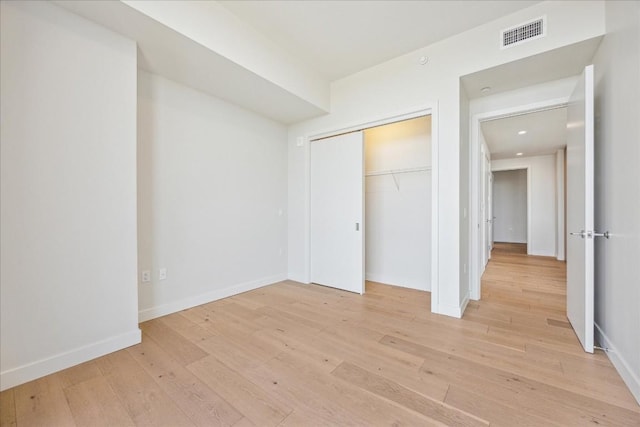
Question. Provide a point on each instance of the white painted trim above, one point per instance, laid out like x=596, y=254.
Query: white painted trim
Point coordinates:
x=474, y=152
x=307, y=205
x=452, y=310
x=173, y=307
x=520, y=110
x=630, y=378
x=435, y=206
x=529, y=181
x=543, y=253
x=375, y=121
x=411, y=113
x=384, y=280
x=560, y=201
x=31, y=371
x=475, y=181
x=465, y=302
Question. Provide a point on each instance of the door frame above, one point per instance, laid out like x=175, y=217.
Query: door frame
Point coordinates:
x=492, y=229
x=429, y=109
x=475, y=234
x=485, y=186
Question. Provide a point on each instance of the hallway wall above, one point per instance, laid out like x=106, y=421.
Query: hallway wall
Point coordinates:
x=510, y=206
x=542, y=212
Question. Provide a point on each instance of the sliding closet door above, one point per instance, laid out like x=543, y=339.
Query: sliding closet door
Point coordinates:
x=337, y=229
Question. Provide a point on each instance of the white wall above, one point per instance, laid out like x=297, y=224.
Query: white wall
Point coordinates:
x=401, y=85
x=510, y=206
x=617, y=190
x=68, y=191
x=542, y=213
x=212, y=186
x=398, y=206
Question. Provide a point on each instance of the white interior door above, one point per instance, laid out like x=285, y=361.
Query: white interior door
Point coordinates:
x=337, y=200
x=580, y=209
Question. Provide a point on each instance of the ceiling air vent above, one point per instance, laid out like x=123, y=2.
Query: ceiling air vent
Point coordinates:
x=524, y=32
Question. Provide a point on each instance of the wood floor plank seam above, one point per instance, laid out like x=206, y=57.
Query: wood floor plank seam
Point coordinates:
x=403, y=396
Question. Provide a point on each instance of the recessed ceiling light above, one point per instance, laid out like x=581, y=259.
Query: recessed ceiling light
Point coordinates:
x=522, y=132
x=485, y=89
x=518, y=154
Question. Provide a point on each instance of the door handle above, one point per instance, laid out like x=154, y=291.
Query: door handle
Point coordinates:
x=591, y=234
x=357, y=226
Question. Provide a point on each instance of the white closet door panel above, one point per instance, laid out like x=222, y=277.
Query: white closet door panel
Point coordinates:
x=337, y=228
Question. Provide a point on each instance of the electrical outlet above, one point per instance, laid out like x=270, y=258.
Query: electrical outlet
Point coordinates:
x=146, y=276
x=162, y=274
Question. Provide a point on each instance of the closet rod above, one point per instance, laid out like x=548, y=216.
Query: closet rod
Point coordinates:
x=396, y=171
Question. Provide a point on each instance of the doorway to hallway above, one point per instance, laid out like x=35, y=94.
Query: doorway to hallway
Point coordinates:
x=534, y=283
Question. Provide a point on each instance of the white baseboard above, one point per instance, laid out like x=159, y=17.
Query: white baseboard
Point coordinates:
x=542, y=253
x=395, y=282
x=453, y=310
x=629, y=376
x=183, y=304
x=25, y=373
x=465, y=302
x=448, y=310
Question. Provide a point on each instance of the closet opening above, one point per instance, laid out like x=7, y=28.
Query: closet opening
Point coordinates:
x=398, y=203
x=371, y=206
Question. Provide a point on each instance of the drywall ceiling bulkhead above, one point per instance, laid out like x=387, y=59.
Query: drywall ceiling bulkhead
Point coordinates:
x=203, y=46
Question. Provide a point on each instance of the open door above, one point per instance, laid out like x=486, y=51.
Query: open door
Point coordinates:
x=580, y=209
x=337, y=200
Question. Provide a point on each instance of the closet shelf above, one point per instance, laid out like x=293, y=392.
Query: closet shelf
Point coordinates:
x=397, y=171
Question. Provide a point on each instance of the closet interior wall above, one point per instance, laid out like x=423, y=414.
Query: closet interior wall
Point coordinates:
x=398, y=203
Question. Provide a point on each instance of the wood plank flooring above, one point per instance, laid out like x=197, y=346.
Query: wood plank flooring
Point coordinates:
x=305, y=355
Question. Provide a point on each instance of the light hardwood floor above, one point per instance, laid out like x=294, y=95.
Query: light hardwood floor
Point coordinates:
x=298, y=355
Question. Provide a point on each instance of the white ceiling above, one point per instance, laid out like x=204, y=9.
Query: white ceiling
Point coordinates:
x=321, y=33
x=332, y=38
x=546, y=133
x=546, y=130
